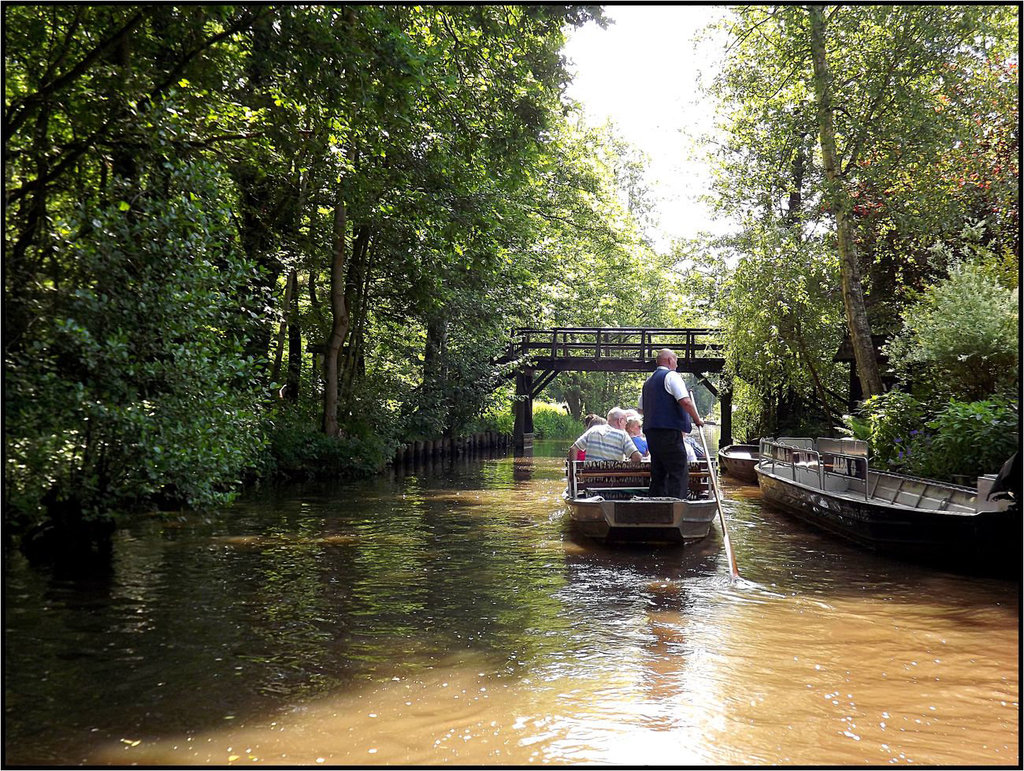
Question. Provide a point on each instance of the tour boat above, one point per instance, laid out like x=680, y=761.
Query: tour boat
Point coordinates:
x=609, y=501
x=828, y=483
x=739, y=461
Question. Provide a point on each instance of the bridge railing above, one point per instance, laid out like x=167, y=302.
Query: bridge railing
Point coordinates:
x=639, y=343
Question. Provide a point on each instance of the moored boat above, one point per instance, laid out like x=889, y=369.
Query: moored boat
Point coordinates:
x=739, y=461
x=829, y=484
x=609, y=501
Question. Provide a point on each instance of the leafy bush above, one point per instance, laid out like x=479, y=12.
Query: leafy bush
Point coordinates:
x=136, y=387
x=299, y=450
x=961, y=337
x=498, y=419
x=958, y=353
x=551, y=421
x=961, y=439
x=965, y=439
x=888, y=422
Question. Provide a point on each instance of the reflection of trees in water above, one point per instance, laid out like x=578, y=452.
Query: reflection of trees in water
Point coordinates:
x=328, y=591
x=522, y=469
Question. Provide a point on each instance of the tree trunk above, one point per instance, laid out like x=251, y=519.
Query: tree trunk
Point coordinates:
x=434, y=348
x=289, y=288
x=819, y=387
x=355, y=302
x=293, y=377
x=20, y=271
x=340, y=320
x=798, y=166
x=436, y=395
x=852, y=285
x=573, y=402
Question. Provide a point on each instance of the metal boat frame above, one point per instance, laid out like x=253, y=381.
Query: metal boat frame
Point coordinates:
x=829, y=484
x=738, y=467
x=608, y=501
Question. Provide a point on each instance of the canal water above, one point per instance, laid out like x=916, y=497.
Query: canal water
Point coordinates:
x=448, y=615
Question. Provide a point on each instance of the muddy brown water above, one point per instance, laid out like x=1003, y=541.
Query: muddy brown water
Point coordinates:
x=448, y=615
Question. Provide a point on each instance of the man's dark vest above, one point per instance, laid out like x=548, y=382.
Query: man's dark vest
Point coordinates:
x=661, y=410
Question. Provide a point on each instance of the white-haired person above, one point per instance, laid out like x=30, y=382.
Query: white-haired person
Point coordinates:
x=634, y=427
x=607, y=442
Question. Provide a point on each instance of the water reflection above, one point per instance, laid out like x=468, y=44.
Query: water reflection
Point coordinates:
x=452, y=617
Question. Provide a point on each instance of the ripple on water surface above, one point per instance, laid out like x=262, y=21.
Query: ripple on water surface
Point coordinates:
x=451, y=617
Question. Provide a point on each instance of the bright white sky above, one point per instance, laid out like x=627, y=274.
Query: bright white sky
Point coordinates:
x=642, y=73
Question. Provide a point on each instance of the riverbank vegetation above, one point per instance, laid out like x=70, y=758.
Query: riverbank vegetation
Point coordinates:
x=243, y=241
x=871, y=149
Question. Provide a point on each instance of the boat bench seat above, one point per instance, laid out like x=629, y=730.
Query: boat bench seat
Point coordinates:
x=929, y=497
x=621, y=480
x=936, y=503
x=614, y=493
x=904, y=498
x=806, y=475
x=836, y=483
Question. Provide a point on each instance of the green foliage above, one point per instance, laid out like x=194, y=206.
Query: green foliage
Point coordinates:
x=595, y=267
x=965, y=439
x=298, y=449
x=134, y=385
x=962, y=337
x=703, y=399
x=149, y=148
x=959, y=439
x=499, y=418
x=927, y=145
x=888, y=422
x=747, y=419
x=444, y=183
x=782, y=321
x=551, y=421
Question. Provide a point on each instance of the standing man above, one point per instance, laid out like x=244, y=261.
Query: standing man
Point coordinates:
x=669, y=413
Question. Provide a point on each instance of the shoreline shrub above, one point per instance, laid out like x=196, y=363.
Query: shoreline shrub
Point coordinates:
x=959, y=439
x=965, y=439
x=551, y=421
x=961, y=337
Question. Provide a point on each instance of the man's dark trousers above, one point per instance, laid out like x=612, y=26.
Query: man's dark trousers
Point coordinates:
x=670, y=470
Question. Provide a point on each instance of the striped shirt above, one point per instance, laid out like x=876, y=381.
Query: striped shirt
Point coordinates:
x=606, y=443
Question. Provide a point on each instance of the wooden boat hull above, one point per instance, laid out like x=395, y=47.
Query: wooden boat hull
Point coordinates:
x=953, y=539
x=643, y=520
x=739, y=461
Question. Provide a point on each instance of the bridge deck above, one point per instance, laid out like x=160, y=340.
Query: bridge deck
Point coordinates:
x=619, y=349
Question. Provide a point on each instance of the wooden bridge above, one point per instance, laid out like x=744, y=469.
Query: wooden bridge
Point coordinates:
x=543, y=353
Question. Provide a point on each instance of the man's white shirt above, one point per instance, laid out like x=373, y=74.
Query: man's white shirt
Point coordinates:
x=674, y=384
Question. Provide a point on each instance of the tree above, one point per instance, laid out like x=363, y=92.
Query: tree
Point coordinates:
x=430, y=157
x=876, y=84
x=961, y=338
x=596, y=267
x=127, y=304
x=390, y=186
x=839, y=200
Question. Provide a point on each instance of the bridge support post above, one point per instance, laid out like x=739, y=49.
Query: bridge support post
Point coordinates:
x=725, y=400
x=522, y=432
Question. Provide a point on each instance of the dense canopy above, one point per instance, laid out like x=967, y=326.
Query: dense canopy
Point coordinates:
x=252, y=239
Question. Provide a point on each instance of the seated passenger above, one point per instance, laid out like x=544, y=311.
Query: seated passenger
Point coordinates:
x=607, y=442
x=589, y=421
x=633, y=428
